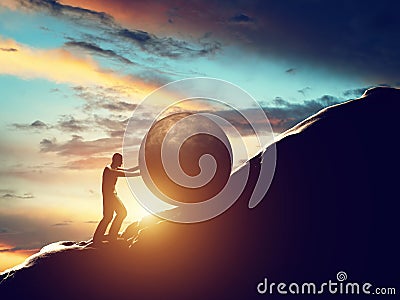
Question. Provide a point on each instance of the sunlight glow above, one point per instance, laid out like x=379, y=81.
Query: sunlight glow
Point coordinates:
x=13, y=258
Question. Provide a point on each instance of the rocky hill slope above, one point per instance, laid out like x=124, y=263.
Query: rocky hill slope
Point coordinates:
x=333, y=206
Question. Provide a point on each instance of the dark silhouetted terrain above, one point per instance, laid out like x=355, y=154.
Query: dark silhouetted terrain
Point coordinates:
x=333, y=206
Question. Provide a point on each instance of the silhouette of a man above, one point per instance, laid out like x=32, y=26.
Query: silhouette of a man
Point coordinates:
x=111, y=202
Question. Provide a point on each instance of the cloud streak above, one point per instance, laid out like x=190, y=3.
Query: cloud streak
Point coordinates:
x=113, y=125
x=53, y=7
x=340, y=35
x=77, y=146
x=66, y=123
x=36, y=125
x=9, y=49
x=64, y=223
x=61, y=66
x=70, y=124
x=168, y=47
x=241, y=18
x=95, y=49
x=111, y=99
x=90, y=163
x=161, y=46
x=13, y=195
x=281, y=113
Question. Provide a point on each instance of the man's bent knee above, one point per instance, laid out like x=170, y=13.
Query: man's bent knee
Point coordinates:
x=107, y=218
x=122, y=213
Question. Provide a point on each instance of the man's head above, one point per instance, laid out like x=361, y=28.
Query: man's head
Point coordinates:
x=117, y=160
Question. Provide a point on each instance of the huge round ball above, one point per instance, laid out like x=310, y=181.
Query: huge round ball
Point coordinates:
x=196, y=138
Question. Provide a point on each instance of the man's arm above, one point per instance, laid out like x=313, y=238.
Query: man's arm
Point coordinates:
x=132, y=174
x=120, y=173
x=130, y=169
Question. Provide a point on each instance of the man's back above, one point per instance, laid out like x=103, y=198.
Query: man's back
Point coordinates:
x=109, y=181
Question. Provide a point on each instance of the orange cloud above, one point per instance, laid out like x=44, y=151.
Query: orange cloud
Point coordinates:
x=158, y=17
x=147, y=15
x=10, y=4
x=161, y=18
x=62, y=66
x=88, y=163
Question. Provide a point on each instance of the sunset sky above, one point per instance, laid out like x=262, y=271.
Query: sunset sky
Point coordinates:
x=72, y=71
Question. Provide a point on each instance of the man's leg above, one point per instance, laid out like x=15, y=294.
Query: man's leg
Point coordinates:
x=108, y=213
x=119, y=218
